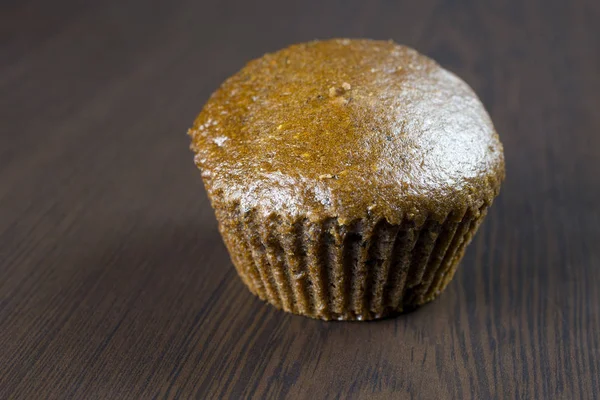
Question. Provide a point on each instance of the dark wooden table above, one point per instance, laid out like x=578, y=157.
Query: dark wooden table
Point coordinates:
x=114, y=282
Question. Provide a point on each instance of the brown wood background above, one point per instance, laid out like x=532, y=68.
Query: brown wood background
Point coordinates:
x=114, y=282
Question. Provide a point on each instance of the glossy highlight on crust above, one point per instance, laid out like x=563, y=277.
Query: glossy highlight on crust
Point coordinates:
x=347, y=175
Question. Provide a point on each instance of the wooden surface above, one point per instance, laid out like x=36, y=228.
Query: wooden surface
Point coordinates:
x=114, y=282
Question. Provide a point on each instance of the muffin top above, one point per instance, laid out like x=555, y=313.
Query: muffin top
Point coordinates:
x=347, y=129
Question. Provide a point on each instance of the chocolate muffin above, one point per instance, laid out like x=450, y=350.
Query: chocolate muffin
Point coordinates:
x=347, y=176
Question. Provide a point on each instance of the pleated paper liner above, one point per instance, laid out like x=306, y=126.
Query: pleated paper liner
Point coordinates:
x=366, y=270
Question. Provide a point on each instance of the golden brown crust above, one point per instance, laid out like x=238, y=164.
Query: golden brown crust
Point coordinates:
x=347, y=129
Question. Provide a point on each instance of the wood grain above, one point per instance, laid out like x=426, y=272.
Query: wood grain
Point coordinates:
x=114, y=282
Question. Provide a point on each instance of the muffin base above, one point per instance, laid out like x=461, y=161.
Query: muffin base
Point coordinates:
x=365, y=270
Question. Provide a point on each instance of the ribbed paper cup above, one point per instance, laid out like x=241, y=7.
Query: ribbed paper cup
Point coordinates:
x=364, y=270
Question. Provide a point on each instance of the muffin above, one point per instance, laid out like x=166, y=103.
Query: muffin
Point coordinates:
x=347, y=176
